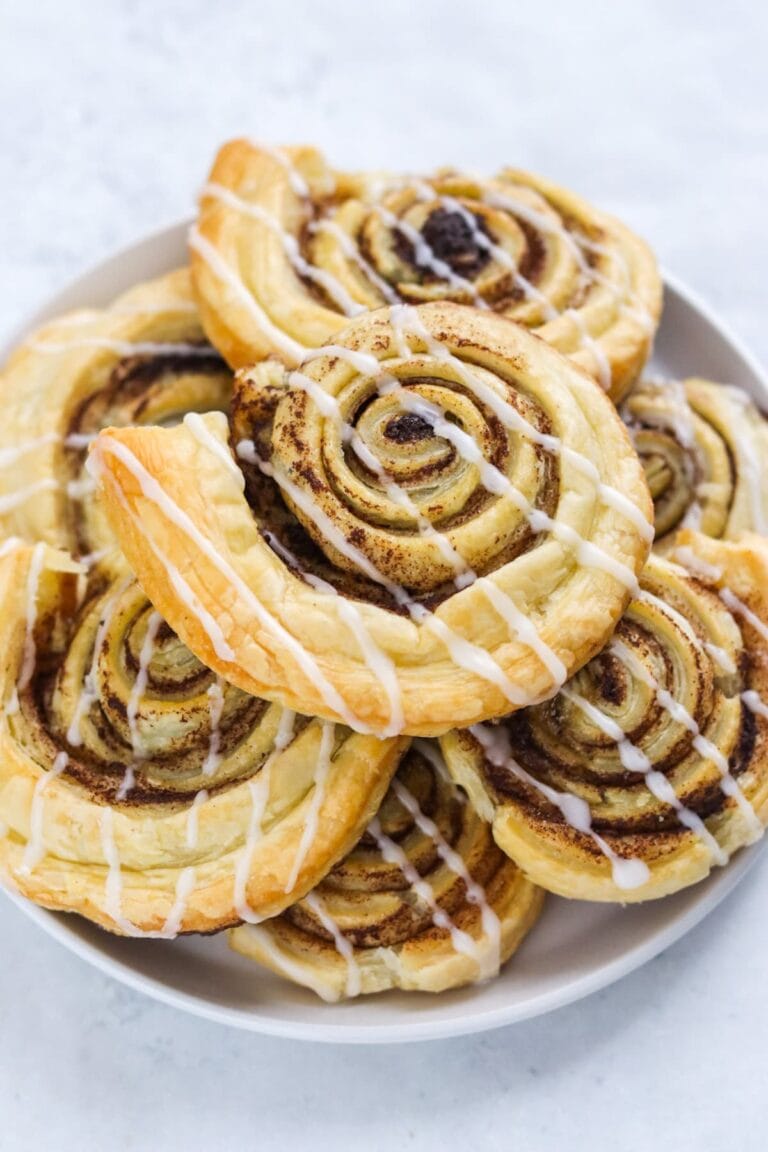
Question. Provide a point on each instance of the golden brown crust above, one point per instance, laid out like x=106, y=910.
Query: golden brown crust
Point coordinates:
x=142, y=360
x=202, y=546
x=286, y=249
x=652, y=765
x=424, y=902
x=174, y=805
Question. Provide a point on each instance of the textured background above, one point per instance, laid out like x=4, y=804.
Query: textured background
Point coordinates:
x=659, y=111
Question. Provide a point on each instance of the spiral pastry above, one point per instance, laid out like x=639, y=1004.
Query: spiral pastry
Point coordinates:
x=424, y=902
x=651, y=765
x=286, y=251
x=137, y=788
x=143, y=360
x=704, y=448
x=434, y=522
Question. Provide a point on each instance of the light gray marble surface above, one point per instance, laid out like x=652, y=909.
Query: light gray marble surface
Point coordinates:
x=658, y=110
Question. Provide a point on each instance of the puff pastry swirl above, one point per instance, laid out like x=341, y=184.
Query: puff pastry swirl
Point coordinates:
x=424, y=902
x=651, y=765
x=704, y=448
x=286, y=250
x=137, y=788
x=442, y=519
x=142, y=360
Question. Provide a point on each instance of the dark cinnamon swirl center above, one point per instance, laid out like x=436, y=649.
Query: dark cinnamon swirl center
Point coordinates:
x=453, y=239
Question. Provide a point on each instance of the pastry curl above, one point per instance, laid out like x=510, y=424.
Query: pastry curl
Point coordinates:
x=651, y=765
x=425, y=501
x=286, y=250
x=142, y=360
x=704, y=448
x=424, y=902
x=137, y=788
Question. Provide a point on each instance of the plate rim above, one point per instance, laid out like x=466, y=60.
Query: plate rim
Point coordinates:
x=56, y=925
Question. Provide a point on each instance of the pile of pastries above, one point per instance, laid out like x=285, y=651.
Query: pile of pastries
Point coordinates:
x=357, y=588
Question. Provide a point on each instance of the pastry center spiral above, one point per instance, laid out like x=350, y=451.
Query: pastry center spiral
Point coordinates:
x=453, y=238
x=384, y=494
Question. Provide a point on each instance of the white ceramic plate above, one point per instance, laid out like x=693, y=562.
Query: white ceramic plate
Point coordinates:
x=575, y=949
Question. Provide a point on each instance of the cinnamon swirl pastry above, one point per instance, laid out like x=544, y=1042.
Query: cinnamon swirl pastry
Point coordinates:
x=286, y=251
x=140, y=790
x=424, y=902
x=143, y=360
x=704, y=447
x=434, y=522
x=651, y=765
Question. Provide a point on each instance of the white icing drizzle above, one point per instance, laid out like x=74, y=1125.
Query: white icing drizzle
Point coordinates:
x=185, y=886
x=224, y=272
x=10, y=544
x=199, y=429
x=87, y=316
x=322, y=770
x=259, y=788
x=91, y=559
x=628, y=873
x=193, y=819
x=602, y=363
x=34, y=850
x=11, y=456
x=376, y=659
x=120, y=347
x=708, y=572
x=676, y=416
x=139, y=686
x=329, y=284
x=127, y=784
x=216, y=710
x=113, y=888
x=353, y=985
x=79, y=489
x=721, y=658
x=299, y=973
x=524, y=629
x=461, y=941
x=297, y=182
x=489, y=963
x=633, y=759
x=79, y=439
x=13, y=500
x=353, y=253
x=89, y=692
